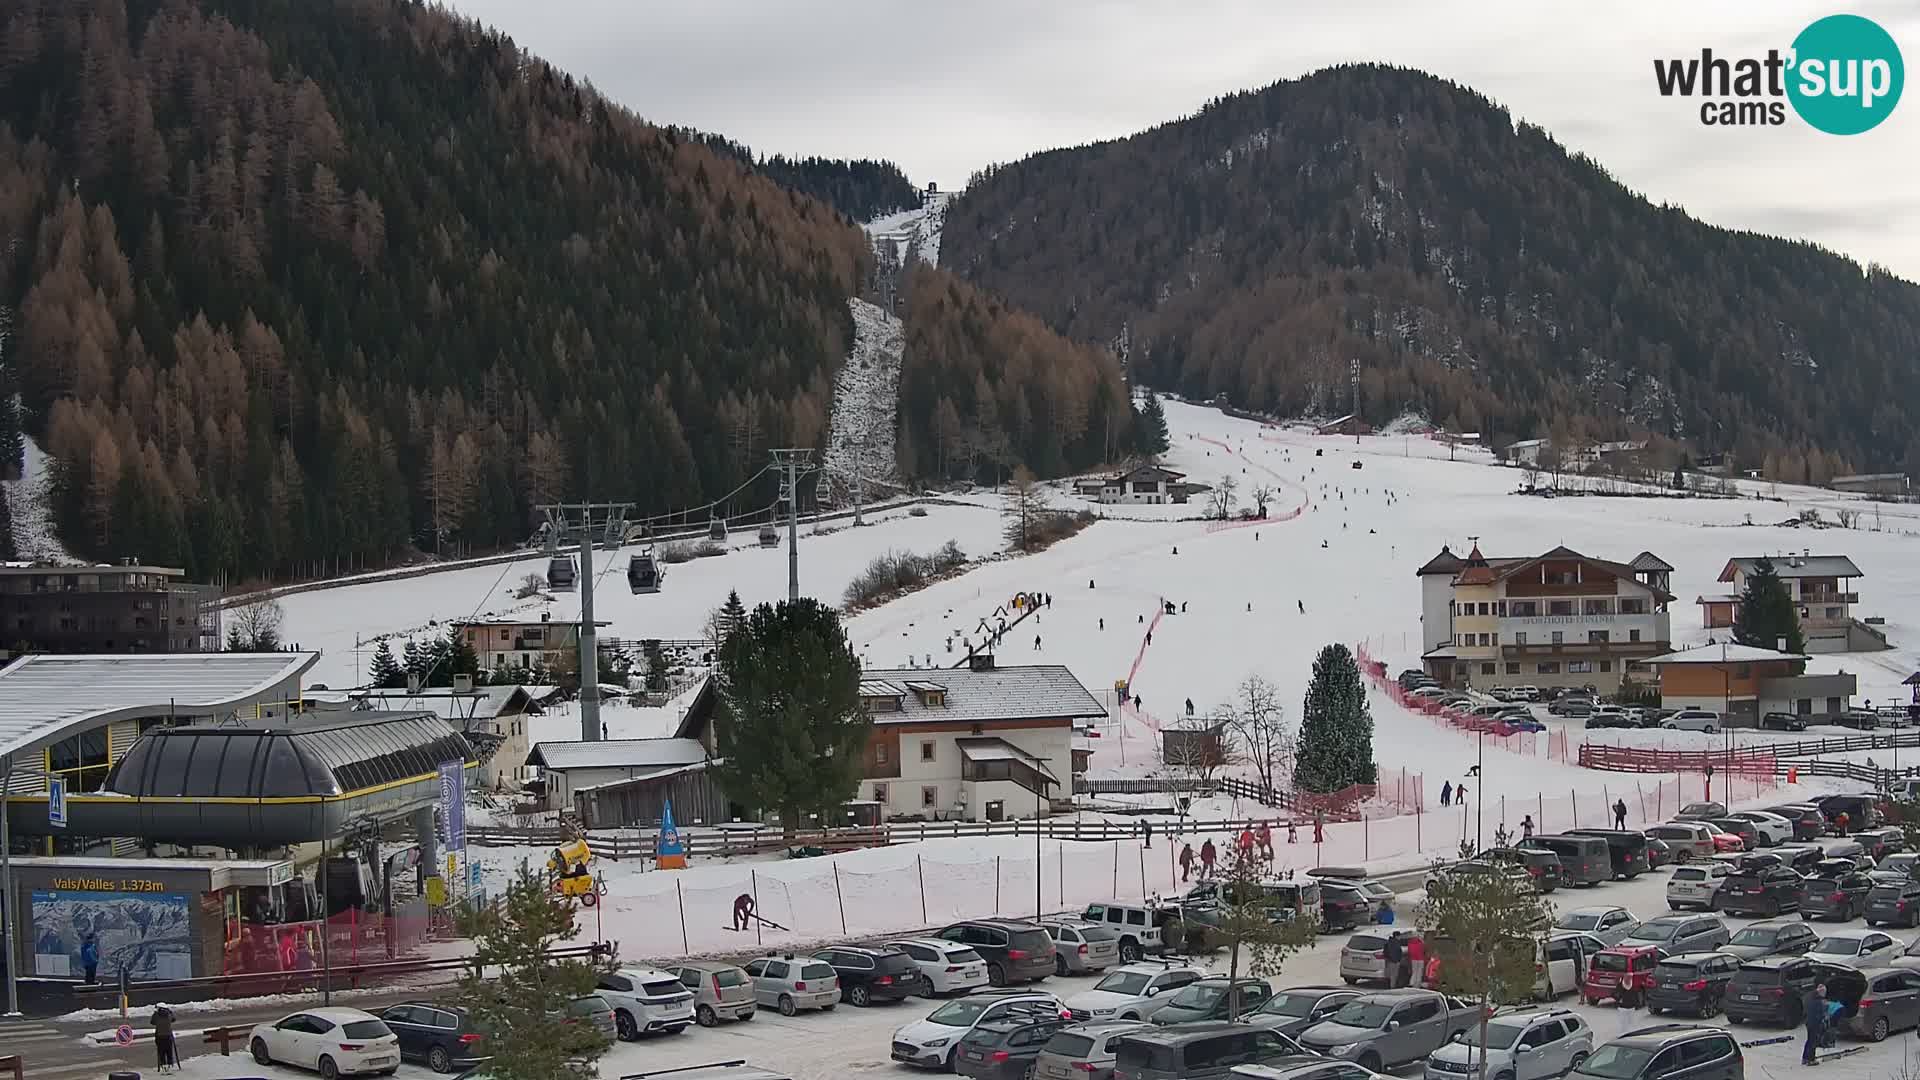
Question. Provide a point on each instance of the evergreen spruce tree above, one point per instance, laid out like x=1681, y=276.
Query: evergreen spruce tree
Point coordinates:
x=236, y=642
x=456, y=658
x=385, y=673
x=732, y=613
x=1336, y=728
x=657, y=659
x=1150, y=433
x=516, y=1010
x=790, y=730
x=414, y=661
x=1766, y=611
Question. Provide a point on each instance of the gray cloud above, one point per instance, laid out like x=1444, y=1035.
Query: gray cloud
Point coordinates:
x=945, y=89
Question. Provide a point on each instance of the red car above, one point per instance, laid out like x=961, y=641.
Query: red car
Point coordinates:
x=1724, y=841
x=1623, y=973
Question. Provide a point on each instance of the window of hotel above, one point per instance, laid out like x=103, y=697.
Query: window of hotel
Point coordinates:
x=1606, y=665
x=1633, y=635
x=1599, y=637
x=880, y=753
x=1485, y=639
x=1513, y=669
x=1579, y=667
x=1599, y=607
x=1833, y=613
x=1560, y=607
x=929, y=796
x=1633, y=605
x=1559, y=637
x=1520, y=638
x=926, y=750
x=1486, y=609
x=1549, y=667
x=1525, y=609
x=1486, y=669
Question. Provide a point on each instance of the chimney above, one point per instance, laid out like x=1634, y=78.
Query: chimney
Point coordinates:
x=980, y=662
x=463, y=684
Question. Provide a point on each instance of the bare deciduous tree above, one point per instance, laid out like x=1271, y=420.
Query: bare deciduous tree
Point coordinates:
x=1259, y=725
x=1026, y=511
x=1224, y=496
x=1262, y=495
x=255, y=626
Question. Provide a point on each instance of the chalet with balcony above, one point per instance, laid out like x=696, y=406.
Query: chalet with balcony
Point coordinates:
x=1823, y=593
x=1556, y=619
x=512, y=643
x=1743, y=683
x=1145, y=484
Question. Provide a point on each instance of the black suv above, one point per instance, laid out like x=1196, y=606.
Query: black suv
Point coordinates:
x=1892, y=903
x=1760, y=892
x=1015, y=951
x=1835, y=890
x=1343, y=906
x=1691, y=982
x=870, y=975
x=1809, y=822
x=1005, y=1049
x=1770, y=990
x=1543, y=866
x=1783, y=721
x=443, y=1036
x=1692, y=1050
x=1761, y=940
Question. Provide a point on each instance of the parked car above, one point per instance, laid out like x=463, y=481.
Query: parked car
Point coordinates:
x=444, y=1037
x=1015, y=951
x=1875, y=1000
x=1571, y=706
x=1855, y=947
x=1908, y=958
x=1388, y=1029
x=1691, y=982
x=1801, y=857
x=1689, y=840
x=1084, y=1051
x=1297, y=1008
x=1724, y=842
x=787, y=983
x=1765, y=939
x=1863, y=811
x=1710, y=1053
x=1215, y=997
x=1138, y=925
x=1480, y=866
x=1205, y=1051
x=1898, y=866
x=1007, y=1048
x=1622, y=973
x=1584, y=860
x=1532, y=1045
x=1080, y=947
x=1773, y=828
x=1626, y=847
x=1693, y=720
x=1770, y=989
x=1364, y=958
x=870, y=975
x=1524, y=693
x=647, y=1000
x=949, y=966
x=1674, y=935
x=1893, y=903
x=1859, y=719
x=1783, y=721
x=931, y=1043
x=1760, y=893
x=1659, y=854
x=594, y=1011
x=1836, y=889
x=1543, y=866
x=1611, y=718
x=1302, y=1067
x=1809, y=821
x=1609, y=924
x=1560, y=962
x=332, y=1042
x=1343, y=906
x=1132, y=991
x=721, y=991
x=1377, y=892
x=1747, y=832
x=1696, y=886
x=1881, y=842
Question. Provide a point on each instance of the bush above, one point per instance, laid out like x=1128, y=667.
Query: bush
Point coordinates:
x=918, y=511
x=681, y=551
x=900, y=572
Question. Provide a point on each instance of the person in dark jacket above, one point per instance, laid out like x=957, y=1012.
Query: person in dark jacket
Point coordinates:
x=1619, y=813
x=1186, y=861
x=1815, y=1008
x=163, y=1046
x=1393, y=954
x=1207, y=856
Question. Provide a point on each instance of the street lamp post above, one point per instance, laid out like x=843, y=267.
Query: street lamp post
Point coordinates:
x=1480, y=791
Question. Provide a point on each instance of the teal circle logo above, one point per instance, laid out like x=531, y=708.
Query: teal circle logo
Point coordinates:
x=1847, y=75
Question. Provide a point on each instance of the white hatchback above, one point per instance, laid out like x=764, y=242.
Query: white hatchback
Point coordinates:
x=1696, y=885
x=949, y=966
x=332, y=1042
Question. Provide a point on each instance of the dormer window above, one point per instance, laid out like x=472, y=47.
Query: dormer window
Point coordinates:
x=932, y=695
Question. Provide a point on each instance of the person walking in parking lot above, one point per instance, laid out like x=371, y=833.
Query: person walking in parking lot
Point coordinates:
x=1815, y=1008
x=1394, y=954
x=1417, y=959
x=1619, y=813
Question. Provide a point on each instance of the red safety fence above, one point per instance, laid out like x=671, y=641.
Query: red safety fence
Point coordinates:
x=1499, y=734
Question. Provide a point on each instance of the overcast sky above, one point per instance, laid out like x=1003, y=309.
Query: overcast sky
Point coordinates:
x=945, y=88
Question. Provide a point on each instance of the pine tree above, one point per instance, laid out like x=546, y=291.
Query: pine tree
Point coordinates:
x=732, y=614
x=1766, y=612
x=1151, y=439
x=1336, y=728
x=657, y=661
x=516, y=1009
x=791, y=732
x=414, y=661
x=384, y=673
x=457, y=658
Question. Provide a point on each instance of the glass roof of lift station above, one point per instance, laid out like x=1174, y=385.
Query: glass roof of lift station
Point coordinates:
x=300, y=757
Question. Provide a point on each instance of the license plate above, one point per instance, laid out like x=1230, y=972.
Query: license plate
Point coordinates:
x=381, y=1061
x=976, y=975
x=1749, y=997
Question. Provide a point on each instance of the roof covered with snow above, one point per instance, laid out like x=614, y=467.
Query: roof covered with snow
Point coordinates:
x=1444, y=563
x=1723, y=653
x=484, y=703
x=618, y=754
x=45, y=698
x=1796, y=566
x=1035, y=692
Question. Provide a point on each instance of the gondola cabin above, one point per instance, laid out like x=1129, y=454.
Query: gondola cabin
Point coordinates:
x=769, y=536
x=717, y=530
x=644, y=574
x=562, y=573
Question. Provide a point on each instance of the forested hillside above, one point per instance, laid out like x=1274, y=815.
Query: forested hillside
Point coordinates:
x=295, y=283
x=1473, y=268
x=862, y=189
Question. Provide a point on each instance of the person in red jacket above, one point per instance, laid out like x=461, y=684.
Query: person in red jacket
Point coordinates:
x=1417, y=956
x=1246, y=843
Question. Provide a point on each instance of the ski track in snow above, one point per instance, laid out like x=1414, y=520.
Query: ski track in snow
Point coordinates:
x=866, y=394
x=917, y=231
x=34, y=539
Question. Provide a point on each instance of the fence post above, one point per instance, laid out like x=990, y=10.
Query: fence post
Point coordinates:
x=996, y=884
x=1060, y=870
x=754, y=876
x=920, y=872
x=1541, y=797
x=681, y=895
x=1366, y=837
x=842, y=901
x=1419, y=816
x=1116, y=869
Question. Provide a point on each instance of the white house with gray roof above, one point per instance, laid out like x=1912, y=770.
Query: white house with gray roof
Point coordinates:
x=1823, y=593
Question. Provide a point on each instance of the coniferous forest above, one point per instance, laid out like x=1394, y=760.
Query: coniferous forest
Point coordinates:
x=297, y=283
x=1476, y=270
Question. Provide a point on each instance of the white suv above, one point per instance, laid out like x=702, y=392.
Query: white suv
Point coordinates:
x=646, y=1000
x=1697, y=885
x=1693, y=720
x=1530, y=1045
x=1132, y=992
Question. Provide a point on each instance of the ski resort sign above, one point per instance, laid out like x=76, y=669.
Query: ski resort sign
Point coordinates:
x=1842, y=75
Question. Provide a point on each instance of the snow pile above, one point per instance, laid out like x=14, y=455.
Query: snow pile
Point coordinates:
x=865, y=401
x=34, y=539
x=916, y=232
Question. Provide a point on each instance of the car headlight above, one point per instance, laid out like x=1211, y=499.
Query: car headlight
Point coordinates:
x=932, y=1043
x=1343, y=1048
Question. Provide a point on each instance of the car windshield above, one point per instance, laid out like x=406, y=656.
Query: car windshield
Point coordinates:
x=365, y=1029
x=1615, y=1062
x=588, y=1006
x=1654, y=931
x=1363, y=1014
x=1125, y=982
x=1754, y=935
x=1499, y=1036
x=1068, y=1045
x=1199, y=995
x=1578, y=920
x=1291, y=1004
x=1099, y=933
x=1610, y=961
x=960, y=1013
x=1835, y=946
